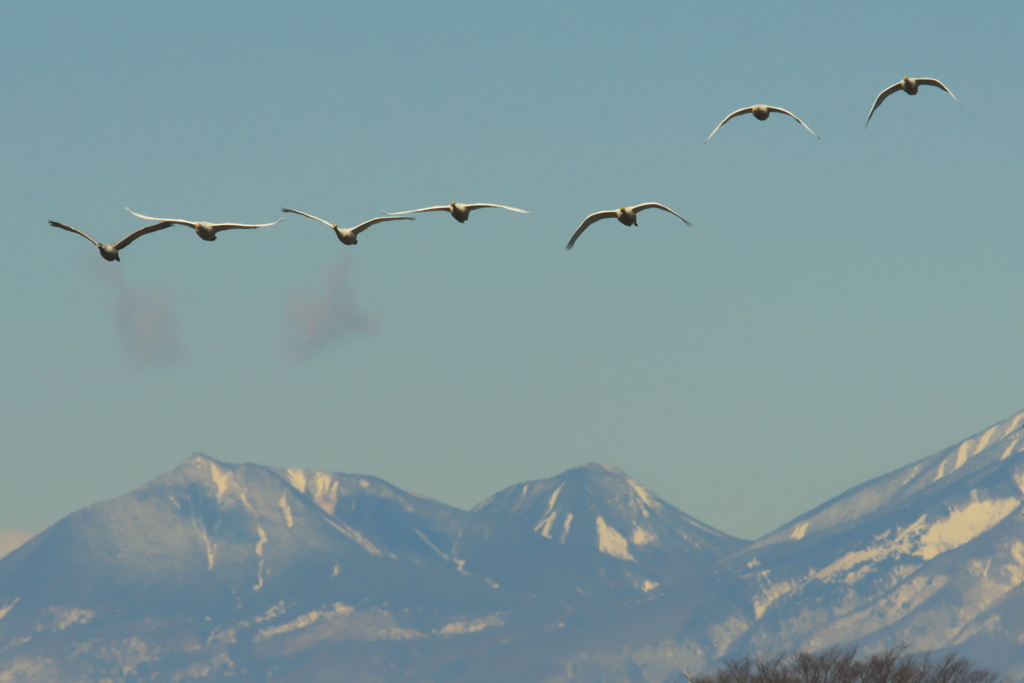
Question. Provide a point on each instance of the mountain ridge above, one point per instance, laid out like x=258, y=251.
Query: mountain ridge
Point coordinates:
x=217, y=570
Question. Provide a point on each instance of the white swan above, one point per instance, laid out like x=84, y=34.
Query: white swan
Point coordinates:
x=110, y=251
x=459, y=212
x=909, y=86
x=761, y=112
x=207, y=231
x=348, y=235
x=625, y=214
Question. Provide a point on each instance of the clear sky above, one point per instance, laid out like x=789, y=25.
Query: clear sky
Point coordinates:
x=840, y=308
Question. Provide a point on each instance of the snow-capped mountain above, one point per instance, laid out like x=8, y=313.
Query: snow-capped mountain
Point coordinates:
x=596, y=516
x=600, y=506
x=890, y=491
x=923, y=554
x=214, y=562
x=931, y=554
x=217, y=570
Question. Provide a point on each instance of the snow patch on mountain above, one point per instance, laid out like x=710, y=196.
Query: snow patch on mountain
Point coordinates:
x=335, y=622
x=221, y=478
x=272, y=612
x=888, y=492
x=770, y=591
x=878, y=614
x=297, y=478
x=964, y=524
x=286, y=510
x=259, y=553
x=354, y=535
x=1013, y=445
x=900, y=543
x=64, y=617
x=27, y=669
x=645, y=496
x=458, y=628
x=337, y=609
x=544, y=525
x=723, y=634
x=1007, y=430
x=325, y=492
x=554, y=497
x=443, y=555
x=7, y=608
x=211, y=547
x=565, y=527
x=642, y=536
x=922, y=539
x=611, y=541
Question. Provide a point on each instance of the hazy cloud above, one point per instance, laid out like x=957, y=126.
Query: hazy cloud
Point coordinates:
x=316, y=319
x=145, y=322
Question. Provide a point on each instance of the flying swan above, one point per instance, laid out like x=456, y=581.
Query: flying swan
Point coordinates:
x=348, y=235
x=625, y=214
x=909, y=86
x=207, y=231
x=459, y=212
x=110, y=251
x=760, y=112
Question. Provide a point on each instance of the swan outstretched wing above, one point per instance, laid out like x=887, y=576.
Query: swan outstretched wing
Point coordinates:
x=74, y=230
x=307, y=215
x=446, y=207
x=937, y=84
x=380, y=219
x=140, y=232
x=789, y=113
x=738, y=112
x=173, y=221
x=592, y=218
x=881, y=97
x=654, y=205
x=495, y=206
x=218, y=227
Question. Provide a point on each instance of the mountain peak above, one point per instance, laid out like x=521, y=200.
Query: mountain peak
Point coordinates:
x=600, y=507
x=595, y=468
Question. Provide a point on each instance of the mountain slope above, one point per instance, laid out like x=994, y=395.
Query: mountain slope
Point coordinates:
x=221, y=568
x=921, y=555
x=890, y=491
x=931, y=555
x=216, y=570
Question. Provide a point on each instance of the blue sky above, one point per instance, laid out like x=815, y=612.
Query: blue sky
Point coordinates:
x=840, y=308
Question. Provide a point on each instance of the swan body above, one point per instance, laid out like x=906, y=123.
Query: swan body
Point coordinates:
x=459, y=212
x=624, y=214
x=205, y=230
x=760, y=112
x=349, y=235
x=111, y=251
x=909, y=86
